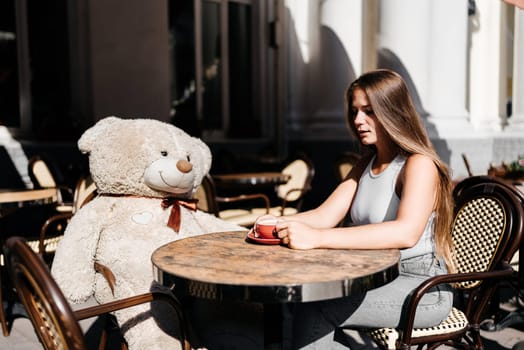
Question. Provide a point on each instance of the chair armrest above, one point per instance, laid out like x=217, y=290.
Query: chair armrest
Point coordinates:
x=124, y=303
x=504, y=271
x=245, y=197
x=97, y=310
x=45, y=227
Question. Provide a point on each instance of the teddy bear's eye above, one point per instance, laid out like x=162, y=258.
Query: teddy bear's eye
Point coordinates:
x=188, y=158
x=164, y=153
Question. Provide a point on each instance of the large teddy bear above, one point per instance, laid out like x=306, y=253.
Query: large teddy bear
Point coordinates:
x=136, y=164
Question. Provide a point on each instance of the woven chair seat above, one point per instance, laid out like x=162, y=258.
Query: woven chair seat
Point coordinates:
x=231, y=213
x=387, y=337
x=50, y=244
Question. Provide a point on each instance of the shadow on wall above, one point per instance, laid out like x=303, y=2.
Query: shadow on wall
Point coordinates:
x=388, y=60
x=319, y=72
x=335, y=73
x=317, y=108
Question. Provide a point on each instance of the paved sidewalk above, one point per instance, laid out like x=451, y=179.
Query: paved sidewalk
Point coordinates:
x=503, y=339
x=23, y=337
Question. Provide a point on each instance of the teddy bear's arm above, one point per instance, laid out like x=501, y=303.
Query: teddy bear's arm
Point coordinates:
x=210, y=223
x=73, y=264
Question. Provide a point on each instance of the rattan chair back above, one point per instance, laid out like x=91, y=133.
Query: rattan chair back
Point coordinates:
x=345, y=163
x=484, y=229
x=53, y=319
x=301, y=172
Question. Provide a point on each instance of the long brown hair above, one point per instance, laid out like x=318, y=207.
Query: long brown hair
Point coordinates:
x=392, y=105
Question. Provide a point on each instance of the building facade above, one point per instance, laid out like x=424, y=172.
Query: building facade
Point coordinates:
x=264, y=78
x=463, y=60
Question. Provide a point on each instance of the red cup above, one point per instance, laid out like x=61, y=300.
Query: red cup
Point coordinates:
x=266, y=228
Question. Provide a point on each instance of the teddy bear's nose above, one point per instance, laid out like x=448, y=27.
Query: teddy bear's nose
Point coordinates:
x=184, y=166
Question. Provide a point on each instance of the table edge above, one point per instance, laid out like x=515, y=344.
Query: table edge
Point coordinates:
x=304, y=292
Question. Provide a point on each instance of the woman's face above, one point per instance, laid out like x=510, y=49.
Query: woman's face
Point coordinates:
x=366, y=123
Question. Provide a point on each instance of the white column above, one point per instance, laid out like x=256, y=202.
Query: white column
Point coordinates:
x=405, y=29
x=430, y=40
x=338, y=60
x=326, y=41
x=517, y=118
x=447, y=70
x=488, y=67
x=298, y=58
x=345, y=19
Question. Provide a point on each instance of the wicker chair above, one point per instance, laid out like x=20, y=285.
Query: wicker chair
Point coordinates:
x=55, y=323
x=345, y=163
x=291, y=194
x=515, y=317
x=44, y=241
x=42, y=177
x=487, y=231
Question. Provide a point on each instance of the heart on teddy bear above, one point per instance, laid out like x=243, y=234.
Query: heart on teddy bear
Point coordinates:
x=143, y=218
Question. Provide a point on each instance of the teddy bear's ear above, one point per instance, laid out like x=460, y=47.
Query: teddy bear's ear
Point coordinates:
x=89, y=138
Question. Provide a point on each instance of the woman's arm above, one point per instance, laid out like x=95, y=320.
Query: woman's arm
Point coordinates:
x=419, y=185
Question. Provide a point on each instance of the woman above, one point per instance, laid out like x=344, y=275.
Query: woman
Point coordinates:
x=398, y=196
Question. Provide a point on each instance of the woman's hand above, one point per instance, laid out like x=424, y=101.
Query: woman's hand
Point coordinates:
x=297, y=235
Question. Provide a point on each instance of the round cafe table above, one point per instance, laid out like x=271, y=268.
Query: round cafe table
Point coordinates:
x=228, y=266
x=15, y=198
x=8, y=195
x=224, y=265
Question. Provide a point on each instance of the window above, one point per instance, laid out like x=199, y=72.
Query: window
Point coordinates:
x=221, y=52
x=9, y=96
x=34, y=69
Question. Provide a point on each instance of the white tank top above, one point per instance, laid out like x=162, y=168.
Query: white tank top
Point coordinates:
x=376, y=201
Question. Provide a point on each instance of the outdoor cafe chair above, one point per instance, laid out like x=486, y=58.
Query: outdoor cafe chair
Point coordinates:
x=515, y=317
x=345, y=163
x=486, y=232
x=301, y=171
x=53, y=228
x=46, y=219
x=43, y=237
x=42, y=177
x=209, y=202
x=55, y=323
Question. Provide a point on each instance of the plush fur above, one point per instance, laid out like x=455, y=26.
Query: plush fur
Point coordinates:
x=135, y=163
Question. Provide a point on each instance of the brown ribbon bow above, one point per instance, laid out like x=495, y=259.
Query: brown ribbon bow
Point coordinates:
x=175, y=203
